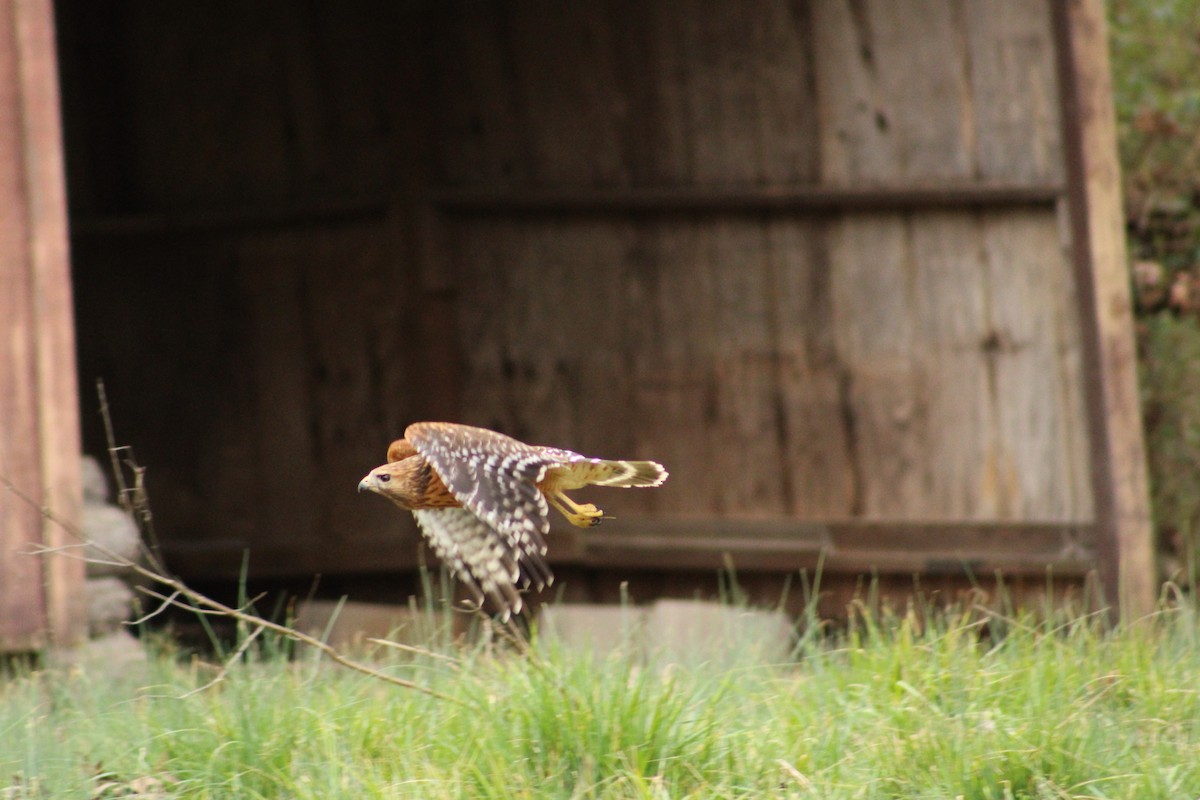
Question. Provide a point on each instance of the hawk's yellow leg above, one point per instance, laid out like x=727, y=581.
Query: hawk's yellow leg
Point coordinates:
x=583, y=515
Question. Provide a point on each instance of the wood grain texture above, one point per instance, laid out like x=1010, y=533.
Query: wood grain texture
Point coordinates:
x=622, y=93
x=1034, y=353
x=1013, y=89
x=40, y=597
x=805, y=253
x=1117, y=448
x=860, y=364
x=985, y=105
x=53, y=312
x=945, y=342
x=877, y=122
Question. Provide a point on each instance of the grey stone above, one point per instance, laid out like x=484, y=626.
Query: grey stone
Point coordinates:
x=598, y=628
x=114, y=532
x=348, y=625
x=95, y=485
x=109, y=604
x=692, y=632
x=685, y=632
x=117, y=654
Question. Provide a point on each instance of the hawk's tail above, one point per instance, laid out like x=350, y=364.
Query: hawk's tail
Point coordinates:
x=627, y=473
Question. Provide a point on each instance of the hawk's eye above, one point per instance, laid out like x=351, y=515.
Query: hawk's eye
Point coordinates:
x=384, y=478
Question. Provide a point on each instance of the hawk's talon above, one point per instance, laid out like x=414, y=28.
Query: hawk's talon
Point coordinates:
x=581, y=515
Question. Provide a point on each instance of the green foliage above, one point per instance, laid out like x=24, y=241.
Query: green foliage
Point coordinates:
x=1171, y=403
x=1156, y=58
x=918, y=705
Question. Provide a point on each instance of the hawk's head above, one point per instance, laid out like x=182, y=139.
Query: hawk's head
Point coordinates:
x=410, y=483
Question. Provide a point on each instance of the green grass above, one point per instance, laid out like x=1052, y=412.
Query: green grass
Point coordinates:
x=889, y=708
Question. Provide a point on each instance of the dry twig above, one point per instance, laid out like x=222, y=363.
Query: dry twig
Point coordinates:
x=135, y=502
x=199, y=603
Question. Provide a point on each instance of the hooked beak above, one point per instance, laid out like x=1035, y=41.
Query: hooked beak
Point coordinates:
x=364, y=484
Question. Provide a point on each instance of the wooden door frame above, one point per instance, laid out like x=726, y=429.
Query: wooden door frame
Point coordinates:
x=41, y=598
x=1124, y=532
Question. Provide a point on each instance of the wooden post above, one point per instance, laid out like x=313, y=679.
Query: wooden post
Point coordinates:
x=41, y=598
x=1124, y=534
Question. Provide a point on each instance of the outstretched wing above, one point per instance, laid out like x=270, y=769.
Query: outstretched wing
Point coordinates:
x=495, y=477
x=476, y=554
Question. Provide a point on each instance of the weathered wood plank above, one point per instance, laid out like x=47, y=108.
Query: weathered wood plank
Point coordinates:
x=553, y=365
x=280, y=434
x=920, y=382
x=23, y=610
x=40, y=597
x=986, y=103
x=594, y=351
x=962, y=383
x=877, y=122
x=1037, y=396
x=332, y=384
x=748, y=200
x=872, y=290
x=950, y=346
x=398, y=548
x=746, y=440
x=564, y=77
x=775, y=545
x=812, y=422
x=1125, y=539
x=674, y=371
x=229, y=221
x=291, y=104
x=610, y=347
x=434, y=357
x=846, y=546
x=53, y=317
x=622, y=93
x=1013, y=90
x=478, y=123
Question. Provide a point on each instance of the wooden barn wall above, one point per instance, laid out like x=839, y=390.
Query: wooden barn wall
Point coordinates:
x=272, y=289
x=244, y=286
x=887, y=365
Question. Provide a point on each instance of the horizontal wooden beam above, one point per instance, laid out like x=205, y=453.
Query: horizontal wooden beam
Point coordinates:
x=850, y=546
x=683, y=200
x=746, y=200
x=223, y=559
x=855, y=547
x=228, y=220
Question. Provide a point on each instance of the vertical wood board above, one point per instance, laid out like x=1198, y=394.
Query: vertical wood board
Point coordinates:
x=40, y=596
x=946, y=391
x=1117, y=448
x=936, y=90
x=937, y=382
x=626, y=94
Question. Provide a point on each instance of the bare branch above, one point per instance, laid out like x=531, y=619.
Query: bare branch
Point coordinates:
x=203, y=604
x=161, y=608
x=408, y=648
x=110, y=437
x=135, y=501
x=241, y=651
